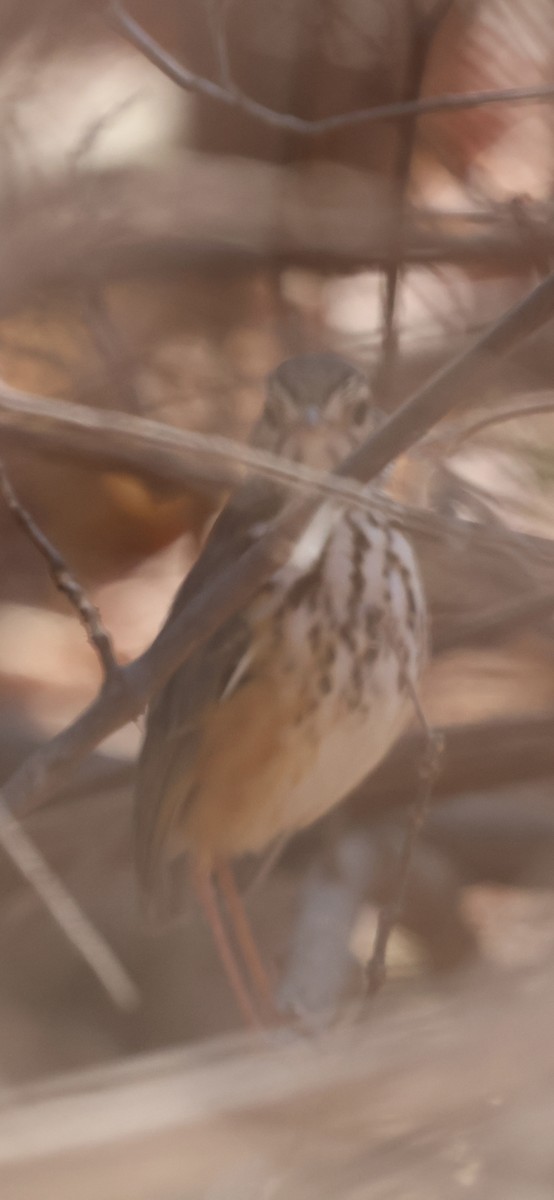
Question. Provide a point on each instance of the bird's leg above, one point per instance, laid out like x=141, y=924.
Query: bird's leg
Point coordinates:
x=246, y=941
x=207, y=897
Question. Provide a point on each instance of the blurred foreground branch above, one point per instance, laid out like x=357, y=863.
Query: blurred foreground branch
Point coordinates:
x=233, y=213
x=446, y=1093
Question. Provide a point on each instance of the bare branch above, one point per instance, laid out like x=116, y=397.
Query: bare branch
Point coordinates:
x=154, y=221
x=163, y=454
x=18, y=846
x=95, y=130
x=451, y=386
x=179, y=74
x=216, y=12
x=496, y=418
x=421, y=40
x=120, y=365
x=63, y=579
x=161, y=451
x=390, y=913
x=497, y=622
x=487, y=754
x=63, y=908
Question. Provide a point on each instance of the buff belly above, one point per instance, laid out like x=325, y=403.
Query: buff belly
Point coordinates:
x=318, y=705
x=347, y=750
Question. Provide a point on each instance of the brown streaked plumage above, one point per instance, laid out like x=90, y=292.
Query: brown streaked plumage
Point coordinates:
x=297, y=697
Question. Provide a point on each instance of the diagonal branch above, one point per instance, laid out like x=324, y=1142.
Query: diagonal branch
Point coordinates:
x=498, y=417
x=180, y=459
x=63, y=579
x=77, y=928
x=164, y=454
x=452, y=385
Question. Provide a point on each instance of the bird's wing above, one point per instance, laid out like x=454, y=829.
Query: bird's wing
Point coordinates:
x=175, y=718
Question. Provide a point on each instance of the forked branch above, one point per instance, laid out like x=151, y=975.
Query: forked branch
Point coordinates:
x=235, y=98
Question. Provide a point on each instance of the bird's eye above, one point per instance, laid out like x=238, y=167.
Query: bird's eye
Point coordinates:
x=359, y=412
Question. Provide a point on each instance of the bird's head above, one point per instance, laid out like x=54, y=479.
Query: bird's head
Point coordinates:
x=318, y=409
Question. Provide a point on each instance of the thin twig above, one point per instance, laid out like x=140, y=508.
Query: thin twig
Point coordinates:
x=18, y=846
x=64, y=580
x=451, y=385
x=233, y=587
x=216, y=17
x=179, y=74
x=428, y=769
x=496, y=622
x=40, y=354
x=88, y=140
x=496, y=418
x=483, y=755
x=479, y=501
x=522, y=216
x=120, y=365
x=389, y=914
x=66, y=912
x=422, y=38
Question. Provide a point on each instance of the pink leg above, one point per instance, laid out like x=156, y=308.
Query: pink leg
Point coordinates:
x=245, y=941
x=207, y=897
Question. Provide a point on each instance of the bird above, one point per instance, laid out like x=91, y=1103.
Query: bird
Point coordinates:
x=297, y=697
